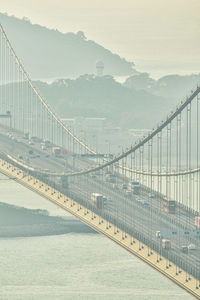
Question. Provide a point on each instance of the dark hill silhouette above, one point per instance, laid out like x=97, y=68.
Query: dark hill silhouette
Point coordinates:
x=51, y=54
x=18, y=221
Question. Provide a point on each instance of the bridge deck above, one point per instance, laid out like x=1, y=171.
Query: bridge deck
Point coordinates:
x=104, y=227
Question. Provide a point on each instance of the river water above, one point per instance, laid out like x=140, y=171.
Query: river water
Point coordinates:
x=72, y=266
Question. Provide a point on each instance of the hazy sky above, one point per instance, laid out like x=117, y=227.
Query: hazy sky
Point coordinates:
x=156, y=34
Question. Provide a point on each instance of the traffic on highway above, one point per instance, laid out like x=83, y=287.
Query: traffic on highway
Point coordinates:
x=137, y=210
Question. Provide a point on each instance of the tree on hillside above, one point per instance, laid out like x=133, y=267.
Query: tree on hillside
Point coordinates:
x=141, y=81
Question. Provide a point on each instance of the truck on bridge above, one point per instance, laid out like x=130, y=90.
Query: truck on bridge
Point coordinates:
x=169, y=206
x=197, y=222
x=166, y=244
x=98, y=200
x=134, y=186
x=33, y=139
x=64, y=182
x=56, y=151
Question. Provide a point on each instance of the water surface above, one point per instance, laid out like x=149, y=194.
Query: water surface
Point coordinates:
x=72, y=266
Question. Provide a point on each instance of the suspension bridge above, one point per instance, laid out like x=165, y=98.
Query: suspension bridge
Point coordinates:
x=147, y=199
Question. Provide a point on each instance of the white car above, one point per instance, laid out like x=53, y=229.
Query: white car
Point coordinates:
x=115, y=186
x=192, y=247
x=151, y=195
x=143, y=202
x=128, y=193
x=158, y=235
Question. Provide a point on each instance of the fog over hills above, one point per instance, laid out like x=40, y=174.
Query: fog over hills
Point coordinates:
x=92, y=96
x=49, y=53
x=172, y=87
x=140, y=102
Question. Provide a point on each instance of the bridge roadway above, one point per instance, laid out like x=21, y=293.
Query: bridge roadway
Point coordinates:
x=144, y=219
x=126, y=212
x=159, y=263
x=16, y=148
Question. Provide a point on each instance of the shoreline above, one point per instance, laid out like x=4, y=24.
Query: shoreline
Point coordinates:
x=22, y=222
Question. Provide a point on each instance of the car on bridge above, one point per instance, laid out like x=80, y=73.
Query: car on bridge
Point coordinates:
x=151, y=195
x=124, y=186
x=158, y=234
x=128, y=193
x=197, y=222
x=192, y=247
x=115, y=186
x=166, y=244
x=47, y=143
x=26, y=135
x=143, y=202
x=10, y=135
x=93, y=175
x=33, y=139
x=184, y=249
x=111, y=178
x=43, y=147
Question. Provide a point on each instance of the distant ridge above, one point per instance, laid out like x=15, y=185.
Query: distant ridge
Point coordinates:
x=48, y=53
